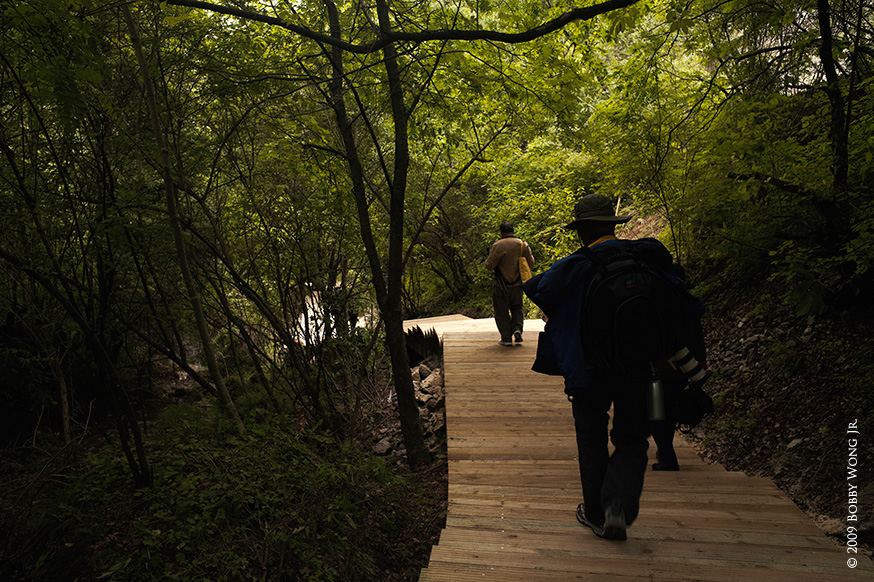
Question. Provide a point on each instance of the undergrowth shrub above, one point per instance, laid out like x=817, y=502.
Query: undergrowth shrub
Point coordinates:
x=277, y=503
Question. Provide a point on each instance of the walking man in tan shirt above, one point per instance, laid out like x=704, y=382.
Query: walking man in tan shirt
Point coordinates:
x=507, y=286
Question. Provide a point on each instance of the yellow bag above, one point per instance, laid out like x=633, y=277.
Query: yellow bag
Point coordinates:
x=524, y=269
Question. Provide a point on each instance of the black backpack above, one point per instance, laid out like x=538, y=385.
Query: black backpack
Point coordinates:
x=633, y=314
x=690, y=408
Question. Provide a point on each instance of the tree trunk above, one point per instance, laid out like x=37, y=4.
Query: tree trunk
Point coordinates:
x=411, y=425
x=837, y=123
x=178, y=238
x=388, y=289
x=58, y=371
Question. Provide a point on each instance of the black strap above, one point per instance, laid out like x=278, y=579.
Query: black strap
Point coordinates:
x=600, y=265
x=502, y=283
x=590, y=255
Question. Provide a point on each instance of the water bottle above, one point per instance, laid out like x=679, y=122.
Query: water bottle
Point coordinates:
x=655, y=399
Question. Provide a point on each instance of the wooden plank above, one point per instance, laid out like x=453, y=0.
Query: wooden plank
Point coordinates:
x=646, y=531
x=535, y=545
x=666, y=560
x=772, y=520
x=661, y=497
x=459, y=567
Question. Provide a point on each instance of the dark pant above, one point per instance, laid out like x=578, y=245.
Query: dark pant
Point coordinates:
x=663, y=436
x=508, y=311
x=615, y=479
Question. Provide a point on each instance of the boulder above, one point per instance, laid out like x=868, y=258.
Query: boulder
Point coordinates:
x=382, y=447
x=433, y=382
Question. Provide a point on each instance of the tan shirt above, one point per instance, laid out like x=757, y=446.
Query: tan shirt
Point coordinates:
x=505, y=254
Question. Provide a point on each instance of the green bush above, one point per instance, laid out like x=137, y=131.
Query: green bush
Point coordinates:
x=277, y=503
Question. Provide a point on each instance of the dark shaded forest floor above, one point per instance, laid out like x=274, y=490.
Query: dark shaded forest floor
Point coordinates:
x=787, y=389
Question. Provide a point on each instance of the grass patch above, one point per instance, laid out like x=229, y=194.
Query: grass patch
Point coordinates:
x=277, y=503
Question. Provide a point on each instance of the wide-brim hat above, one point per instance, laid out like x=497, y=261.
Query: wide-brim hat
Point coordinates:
x=595, y=208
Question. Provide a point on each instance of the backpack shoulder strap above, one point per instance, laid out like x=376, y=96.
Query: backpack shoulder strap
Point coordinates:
x=602, y=263
x=591, y=256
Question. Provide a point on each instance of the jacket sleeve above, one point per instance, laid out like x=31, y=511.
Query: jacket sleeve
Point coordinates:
x=559, y=292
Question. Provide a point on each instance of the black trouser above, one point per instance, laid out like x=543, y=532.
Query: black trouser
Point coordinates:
x=508, y=311
x=615, y=479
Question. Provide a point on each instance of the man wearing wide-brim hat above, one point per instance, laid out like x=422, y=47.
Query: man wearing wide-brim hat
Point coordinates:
x=611, y=484
x=595, y=210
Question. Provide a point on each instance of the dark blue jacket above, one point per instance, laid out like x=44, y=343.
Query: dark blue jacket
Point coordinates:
x=560, y=292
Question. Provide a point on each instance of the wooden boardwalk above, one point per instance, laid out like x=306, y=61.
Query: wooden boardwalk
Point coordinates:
x=514, y=485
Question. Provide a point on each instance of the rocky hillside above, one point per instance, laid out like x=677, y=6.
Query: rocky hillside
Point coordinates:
x=794, y=402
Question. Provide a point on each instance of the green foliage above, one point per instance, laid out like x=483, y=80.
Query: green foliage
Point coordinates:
x=860, y=248
x=274, y=503
x=535, y=189
x=731, y=141
x=806, y=274
x=765, y=196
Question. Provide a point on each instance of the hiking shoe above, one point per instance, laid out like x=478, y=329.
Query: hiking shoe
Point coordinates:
x=614, y=524
x=581, y=517
x=518, y=337
x=661, y=465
